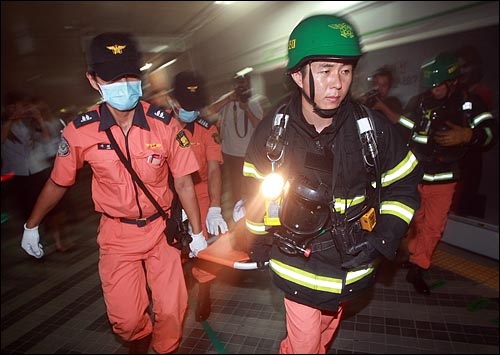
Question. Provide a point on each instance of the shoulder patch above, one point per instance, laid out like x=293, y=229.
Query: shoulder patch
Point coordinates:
x=203, y=122
x=159, y=113
x=63, y=149
x=86, y=118
x=216, y=138
x=182, y=139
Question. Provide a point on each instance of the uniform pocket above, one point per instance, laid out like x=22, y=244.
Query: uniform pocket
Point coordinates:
x=151, y=167
x=107, y=168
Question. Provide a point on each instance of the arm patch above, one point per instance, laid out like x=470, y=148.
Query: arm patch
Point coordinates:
x=86, y=118
x=182, y=139
x=63, y=150
x=159, y=113
x=216, y=138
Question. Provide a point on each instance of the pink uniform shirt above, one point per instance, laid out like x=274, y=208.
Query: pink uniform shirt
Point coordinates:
x=155, y=144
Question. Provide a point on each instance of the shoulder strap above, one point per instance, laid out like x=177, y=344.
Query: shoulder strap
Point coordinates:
x=276, y=142
x=134, y=175
x=368, y=137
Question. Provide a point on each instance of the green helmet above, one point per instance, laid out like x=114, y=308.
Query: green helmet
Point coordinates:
x=439, y=69
x=322, y=37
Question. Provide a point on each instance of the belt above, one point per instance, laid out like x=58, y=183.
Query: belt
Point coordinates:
x=139, y=222
x=320, y=246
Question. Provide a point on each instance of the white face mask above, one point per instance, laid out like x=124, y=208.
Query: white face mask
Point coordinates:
x=123, y=95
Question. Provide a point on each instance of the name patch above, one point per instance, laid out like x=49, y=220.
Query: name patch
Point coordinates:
x=104, y=146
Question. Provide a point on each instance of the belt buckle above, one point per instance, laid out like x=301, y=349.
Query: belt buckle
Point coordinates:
x=141, y=222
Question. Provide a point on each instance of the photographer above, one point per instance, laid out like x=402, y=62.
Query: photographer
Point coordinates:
x=378, y=97
x=239, y=113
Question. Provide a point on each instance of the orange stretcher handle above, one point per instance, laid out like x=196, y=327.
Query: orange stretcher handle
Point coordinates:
x=224, y=251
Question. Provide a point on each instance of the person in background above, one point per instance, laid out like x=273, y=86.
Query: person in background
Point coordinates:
x=321, y=247
x=189, y=97
x=134, y=256
x=378, y=97
x=29, y=135
x=239, y=111
x=471, y=74
x=22, y=134
x=444, y=125
x=47, y=150
x=467, y=200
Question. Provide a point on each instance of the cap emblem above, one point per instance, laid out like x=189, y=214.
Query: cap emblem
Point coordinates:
x=116, y=49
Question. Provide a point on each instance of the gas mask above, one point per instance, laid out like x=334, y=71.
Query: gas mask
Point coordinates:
x=305, y=208
x=304, y=213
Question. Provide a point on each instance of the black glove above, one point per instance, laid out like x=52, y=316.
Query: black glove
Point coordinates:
x=260, y=249
x=365, y=253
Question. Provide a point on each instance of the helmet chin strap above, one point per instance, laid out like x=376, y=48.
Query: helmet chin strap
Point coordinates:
x=319, y=111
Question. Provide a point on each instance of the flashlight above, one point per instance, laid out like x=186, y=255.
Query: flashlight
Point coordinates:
x=272, y=186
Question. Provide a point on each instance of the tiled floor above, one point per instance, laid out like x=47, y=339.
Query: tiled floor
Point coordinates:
x=55, y=305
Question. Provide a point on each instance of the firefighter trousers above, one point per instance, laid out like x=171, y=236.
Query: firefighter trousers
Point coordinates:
x=309, y=330
x=429, y=222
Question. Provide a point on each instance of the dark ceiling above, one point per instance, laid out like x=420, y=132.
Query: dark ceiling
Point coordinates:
x=43, y=42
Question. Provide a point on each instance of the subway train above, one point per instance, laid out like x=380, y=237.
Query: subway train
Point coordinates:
x=55, y=305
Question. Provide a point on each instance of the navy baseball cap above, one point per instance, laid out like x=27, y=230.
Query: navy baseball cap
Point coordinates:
x=189, y=90
x=113, y=55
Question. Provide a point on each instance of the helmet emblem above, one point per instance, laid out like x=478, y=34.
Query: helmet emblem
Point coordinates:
x=345, y=30
x=452, y=68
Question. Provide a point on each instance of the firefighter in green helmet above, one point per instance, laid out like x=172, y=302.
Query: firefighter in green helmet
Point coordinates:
x=446, y=122
x=349, y=186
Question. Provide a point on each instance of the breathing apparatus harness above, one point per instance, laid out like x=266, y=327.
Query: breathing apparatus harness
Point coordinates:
x=303, y=210
x=347, y=230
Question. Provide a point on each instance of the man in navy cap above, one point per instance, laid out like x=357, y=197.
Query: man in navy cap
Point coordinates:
x=134, y=253
x=189, y=98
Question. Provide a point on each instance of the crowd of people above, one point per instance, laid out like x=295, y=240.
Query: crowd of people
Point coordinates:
x=356, y=187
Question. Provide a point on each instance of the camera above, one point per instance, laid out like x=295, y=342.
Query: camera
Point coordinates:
x=243, y=94
x=370, y=97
